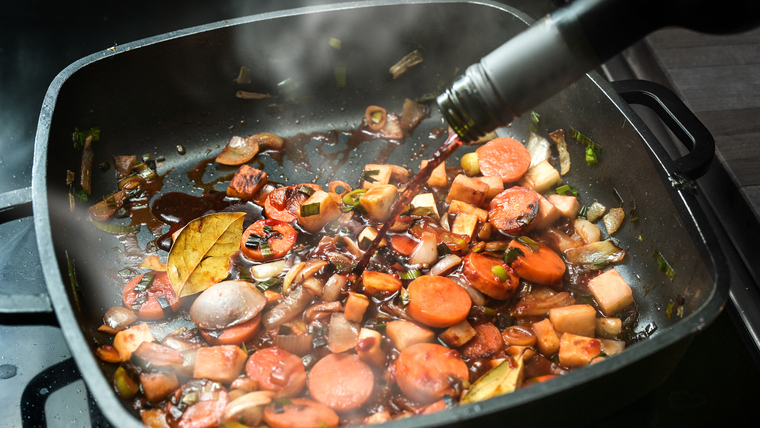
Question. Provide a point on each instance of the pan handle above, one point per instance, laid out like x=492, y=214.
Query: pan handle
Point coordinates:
x=14, y=205
x=678, y=118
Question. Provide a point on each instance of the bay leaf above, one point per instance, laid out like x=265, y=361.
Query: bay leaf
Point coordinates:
x=200, y=257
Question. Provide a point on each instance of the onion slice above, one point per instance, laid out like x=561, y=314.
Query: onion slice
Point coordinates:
x=343, y=334
x=287, y=309
x=334, y=287
x=539, y=148
x=595, y=255
x=448, y=262
x=426, y=251
x=251, y=404
x=238, y=151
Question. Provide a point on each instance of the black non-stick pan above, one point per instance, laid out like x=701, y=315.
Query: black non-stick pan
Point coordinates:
x=174, y=97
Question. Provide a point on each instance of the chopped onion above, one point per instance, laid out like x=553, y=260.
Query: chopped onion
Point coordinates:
x=314, y=284
x=287, y=309
x=119, y=317
x=334, y=287
x=478, y=298
x=539, y=303
x=595, y=211
x=298, y=344
x=226, y=304
x=444, y=265
x=321, y=310
x=539, y=148
x=250, y=405
x=613, y=219
x=343, y=334
x=238, y=151
x=265, y=271
x=595, y=255
x=159, y=355
x=426, y=251
x=564, y=156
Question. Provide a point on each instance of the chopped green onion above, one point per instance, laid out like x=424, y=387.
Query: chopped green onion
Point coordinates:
x=503, y=320
x=145, y=282
x=664, y=266
x=334, y=43
x=634, y=211
x=340, y=75
x=254, y=241
x=500, y=273
x=511, y=254
x=534, y=120
x=404, y=296
x=306, y=190
x=166, y=307
x=79, y=137
x=618, y=196
x=567, y=190
x=583, y=211
x=266, y=250
x=380, y=327
x=352, y=198
x=482, y=310
x=144, y=171
x=266, y=285
x=267, y=229
x=309, y=210
x=669, y=310
x=125, y=386
x=410, y=274
x=593, y=150
x=528, y=242
x=443, y=249
x=368, y=175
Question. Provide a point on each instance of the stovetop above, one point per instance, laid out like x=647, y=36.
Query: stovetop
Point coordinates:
x=39, y=383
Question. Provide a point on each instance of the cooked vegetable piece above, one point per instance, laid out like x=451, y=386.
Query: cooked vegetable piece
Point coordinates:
x=541, y=177
x=375, y=117
x=469, y=163
x=567, y=205
x=238, y=151
x=426, y=372
x=157, y=355
x=495, y=186
x=576, y=319
x=278, y=371
x=378, y=282
x=125, y=386
x=595, y=255
x=609, y=328
x=154, y=418
x=374, y=175
x=486, y=343
x=547, y=337
x=425, y=202
x=342, y=382
x=370, y=347
x=284, y=203
x=576, y=351
x=267, y=239
x=343, y=334
x=478, y=270
x=157, y=386
x=234, y=335
x=300, y=413
x=611, y=292
x=505, y=158
x=613, y=219
x=412, y=113
x=513, y=210
x=127, y=341
x=247, y=182
x=518, y=335
x=356, y=306
x=205, y=401
x=377, y=201
x=438, y=177
x=404, y=334
x=226, y=304
x=221, y=363
x=327, y=210
x=456, y=207
x=437, y=301
x=458, y=334
x=547, y=215
x=145, y=302
x=502, y=379
x=543, y=266
x=587, y=230
x=468, y=190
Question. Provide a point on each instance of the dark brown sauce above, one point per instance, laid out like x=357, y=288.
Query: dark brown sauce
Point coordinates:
x=196, y=176
x=447, y=149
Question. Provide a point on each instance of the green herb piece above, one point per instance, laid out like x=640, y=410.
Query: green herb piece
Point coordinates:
x=664, y=266
x=266, y=250
x=270, y=283
x=503, y=320
x=669, y=310
x=443, y=249
x=380, y=327
x=125, y=386
x=306, y=190
x=634, y=211
x=351, y=198
x=144, y=171
x=145, y=282
x=404, y=296
x=482, y=311
x=309, y=210
x=410, y=274
x=528, y=242
x=334, y=43
x=340, y=75
x=593, y=150
x=534, y=120
x=255, y=241
x=511, y=254
x=368, y=175
x=79, y=137
x=583, y=211
x=567, y=190
x=500, y=273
